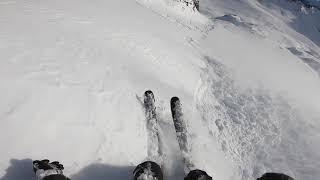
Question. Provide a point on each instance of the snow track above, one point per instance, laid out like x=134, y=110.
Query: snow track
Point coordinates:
x=252, y=125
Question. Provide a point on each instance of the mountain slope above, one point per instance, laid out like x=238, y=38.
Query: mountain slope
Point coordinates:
x=73, y=74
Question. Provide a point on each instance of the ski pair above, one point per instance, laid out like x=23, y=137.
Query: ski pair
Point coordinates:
x=150, y=169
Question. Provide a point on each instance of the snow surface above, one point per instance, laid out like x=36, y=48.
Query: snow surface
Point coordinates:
x=73, y=74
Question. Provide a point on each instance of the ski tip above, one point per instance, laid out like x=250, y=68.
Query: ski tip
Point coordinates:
x=174, y=100
x=174, y=103
x=148, y=96
x=148, y=92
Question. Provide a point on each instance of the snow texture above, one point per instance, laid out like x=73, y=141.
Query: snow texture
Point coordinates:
x=73, y=72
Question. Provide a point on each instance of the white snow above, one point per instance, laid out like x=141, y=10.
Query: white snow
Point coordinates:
x=73, y=74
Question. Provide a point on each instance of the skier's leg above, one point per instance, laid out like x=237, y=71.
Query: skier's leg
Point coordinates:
x=197, y=175
x=45, y=170
x=148, y=171
x=275, y=176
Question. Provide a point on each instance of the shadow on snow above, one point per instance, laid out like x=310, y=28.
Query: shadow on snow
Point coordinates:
x=22, y=170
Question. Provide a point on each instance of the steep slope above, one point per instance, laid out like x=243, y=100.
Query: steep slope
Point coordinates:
x=257, y=93
x=73, y=73
x=70, y=74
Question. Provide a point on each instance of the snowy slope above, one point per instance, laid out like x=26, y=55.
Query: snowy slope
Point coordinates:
x=73, y=73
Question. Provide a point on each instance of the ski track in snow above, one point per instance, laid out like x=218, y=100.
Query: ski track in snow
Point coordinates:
x=71, y=73
x=251, y=126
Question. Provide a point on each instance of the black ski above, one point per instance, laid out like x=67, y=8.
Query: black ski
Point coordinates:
x=182, y=136
x=154, y=141
x=150, y=169
x=181, y=132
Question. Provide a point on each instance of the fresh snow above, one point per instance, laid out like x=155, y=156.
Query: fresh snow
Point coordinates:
x=73, y=74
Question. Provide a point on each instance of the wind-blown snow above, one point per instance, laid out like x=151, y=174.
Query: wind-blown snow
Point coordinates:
x=73, y=73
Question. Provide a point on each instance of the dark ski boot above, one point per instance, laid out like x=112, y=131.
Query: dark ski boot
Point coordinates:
x=197, y=175
x=148, y=170
x=44, y=170
x=275, y=176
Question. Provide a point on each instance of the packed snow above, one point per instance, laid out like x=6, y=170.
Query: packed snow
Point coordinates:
x=73, y=74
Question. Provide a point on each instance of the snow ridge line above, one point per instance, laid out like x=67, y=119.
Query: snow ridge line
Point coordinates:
x=186, y=18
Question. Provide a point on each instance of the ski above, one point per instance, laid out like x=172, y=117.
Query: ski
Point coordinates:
x=154, y=141
x=181, y=133
x=182, y=136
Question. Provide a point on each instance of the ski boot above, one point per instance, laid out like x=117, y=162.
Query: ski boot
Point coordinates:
x=148, y=171
x=197, y=175
x=275, y=176
x=44, y=170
